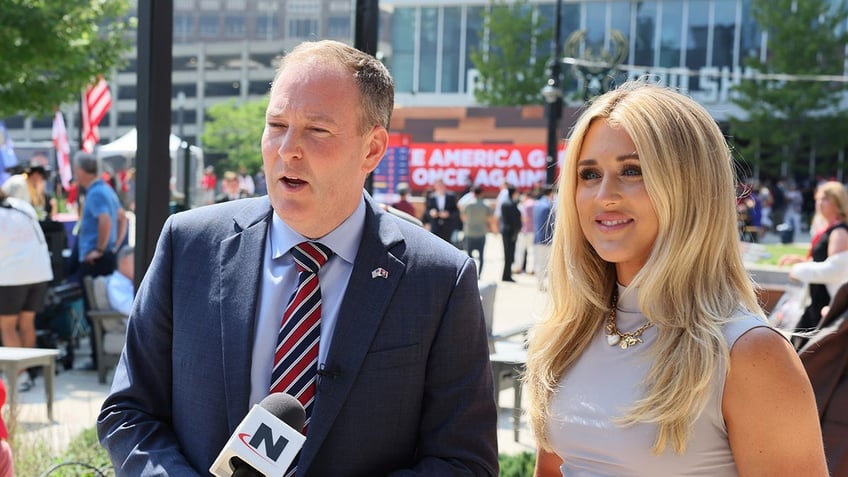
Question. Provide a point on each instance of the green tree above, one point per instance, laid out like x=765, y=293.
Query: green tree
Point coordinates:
x=790, y=114
x=510, y=72
x=53, y=49
x=235, y=130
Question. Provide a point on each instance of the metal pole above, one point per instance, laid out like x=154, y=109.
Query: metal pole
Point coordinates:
x=181, y=99
x=554, y=101
x=155, y=30
x=186, y=174
x=366, y=28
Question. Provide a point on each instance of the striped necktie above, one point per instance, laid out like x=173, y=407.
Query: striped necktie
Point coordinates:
x=296, y=355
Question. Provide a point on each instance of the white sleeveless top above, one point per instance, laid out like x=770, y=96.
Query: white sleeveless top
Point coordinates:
x=605, y=381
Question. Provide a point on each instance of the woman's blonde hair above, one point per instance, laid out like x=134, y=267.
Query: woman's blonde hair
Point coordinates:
x=838, y=194
x=689, y=287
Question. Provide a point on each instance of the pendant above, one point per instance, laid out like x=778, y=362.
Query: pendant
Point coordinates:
x=629, y=341
x=613, y=340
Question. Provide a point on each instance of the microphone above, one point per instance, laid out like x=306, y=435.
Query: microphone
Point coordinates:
x=266, y=441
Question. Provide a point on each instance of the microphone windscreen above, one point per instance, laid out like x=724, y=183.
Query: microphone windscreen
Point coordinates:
x=286, y=408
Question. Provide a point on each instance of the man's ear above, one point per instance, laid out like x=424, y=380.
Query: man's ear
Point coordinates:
x=378, y=141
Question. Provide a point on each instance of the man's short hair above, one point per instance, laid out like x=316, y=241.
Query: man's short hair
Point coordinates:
x=86, y=161
x=124, y=252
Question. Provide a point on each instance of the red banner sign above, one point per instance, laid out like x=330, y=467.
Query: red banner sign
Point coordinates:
x=486, y=165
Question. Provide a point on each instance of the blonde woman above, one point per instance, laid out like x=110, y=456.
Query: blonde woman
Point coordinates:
x=655, y=359
x=825, y=268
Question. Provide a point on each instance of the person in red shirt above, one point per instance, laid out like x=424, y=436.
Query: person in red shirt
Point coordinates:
x=404, y=204
x=209, y=183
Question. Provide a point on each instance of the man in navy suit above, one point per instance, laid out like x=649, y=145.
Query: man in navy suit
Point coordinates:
x=405, y=386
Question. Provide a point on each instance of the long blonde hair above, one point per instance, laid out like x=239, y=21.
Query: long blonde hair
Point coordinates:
x=692, y=283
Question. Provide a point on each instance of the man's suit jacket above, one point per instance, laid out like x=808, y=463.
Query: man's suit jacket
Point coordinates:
x=444, y=228
x=411, y=384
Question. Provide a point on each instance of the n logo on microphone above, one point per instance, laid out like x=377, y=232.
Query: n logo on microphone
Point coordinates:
x=272, y=448
x=262, y=442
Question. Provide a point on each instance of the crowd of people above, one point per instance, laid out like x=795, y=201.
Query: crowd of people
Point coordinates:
x=465, y=221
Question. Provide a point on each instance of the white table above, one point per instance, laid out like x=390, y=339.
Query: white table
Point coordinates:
x=13, y=360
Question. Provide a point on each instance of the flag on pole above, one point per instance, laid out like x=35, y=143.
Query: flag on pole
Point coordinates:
x=63, y=149
x=95, y=104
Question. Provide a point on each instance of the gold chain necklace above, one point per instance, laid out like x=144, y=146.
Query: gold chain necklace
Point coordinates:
x=616, y=337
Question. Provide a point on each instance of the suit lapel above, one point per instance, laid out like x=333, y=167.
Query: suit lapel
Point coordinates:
x=356, y=324
x=241, y=259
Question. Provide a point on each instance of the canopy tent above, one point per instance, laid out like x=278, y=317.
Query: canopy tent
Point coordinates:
x=121, y=154
x=126, y=146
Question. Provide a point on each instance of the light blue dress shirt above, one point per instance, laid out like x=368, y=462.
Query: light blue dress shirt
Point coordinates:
x=279, y=280
x=120, y=291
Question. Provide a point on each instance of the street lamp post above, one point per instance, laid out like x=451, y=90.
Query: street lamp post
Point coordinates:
x=552, y=92
x=184, y=145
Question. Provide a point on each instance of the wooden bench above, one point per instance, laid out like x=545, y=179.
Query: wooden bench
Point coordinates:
x=15, y=360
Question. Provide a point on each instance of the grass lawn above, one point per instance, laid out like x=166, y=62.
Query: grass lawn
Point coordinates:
x=773, y=251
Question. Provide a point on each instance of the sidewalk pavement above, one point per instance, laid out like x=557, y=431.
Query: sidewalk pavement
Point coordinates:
x=78, y=395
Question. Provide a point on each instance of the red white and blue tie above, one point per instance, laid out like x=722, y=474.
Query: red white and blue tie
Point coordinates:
x=296, y=355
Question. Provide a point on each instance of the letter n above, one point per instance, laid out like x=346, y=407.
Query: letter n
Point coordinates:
x=272, y=449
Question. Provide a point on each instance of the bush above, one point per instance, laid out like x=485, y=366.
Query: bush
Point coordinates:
x=518, y=465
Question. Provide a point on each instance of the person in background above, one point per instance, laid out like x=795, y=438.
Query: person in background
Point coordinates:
x=403, y=203
x=261, y=183
x=655, y=358
x=524, y=243
x=477, y=220
x=510, y=225
x=400, y=338
x=130, y=187
x=29, y=186
x=441, y=214
x=120, y=288
x=25, y=273
x=826, y=363
x=7, y=461
x=246, y=184
x=102, y=227
x=230, y=188
x=825, y=268
x=503, y=196
x=72, y=201
x=543, y=221
x=209, y=184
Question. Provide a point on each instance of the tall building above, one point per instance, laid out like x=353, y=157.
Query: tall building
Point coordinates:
x=225, y=49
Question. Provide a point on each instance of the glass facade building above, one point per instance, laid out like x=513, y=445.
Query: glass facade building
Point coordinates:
x=698, y=46
x=226, y=49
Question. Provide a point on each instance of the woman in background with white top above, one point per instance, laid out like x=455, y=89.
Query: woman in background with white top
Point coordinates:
x=655, y=358
x=25, y=272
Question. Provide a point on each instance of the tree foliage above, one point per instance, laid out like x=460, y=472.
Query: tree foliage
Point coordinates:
x=235, y=130
x=54, y=49
x=510, y=72
x=785, y=116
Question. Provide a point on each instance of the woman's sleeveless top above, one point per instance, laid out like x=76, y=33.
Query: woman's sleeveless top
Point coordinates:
x=604, y=382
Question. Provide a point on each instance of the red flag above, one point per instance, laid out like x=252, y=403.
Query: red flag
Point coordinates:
x=63, y=149
x=95, y=103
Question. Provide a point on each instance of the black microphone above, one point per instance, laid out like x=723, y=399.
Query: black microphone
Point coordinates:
x=266, y=441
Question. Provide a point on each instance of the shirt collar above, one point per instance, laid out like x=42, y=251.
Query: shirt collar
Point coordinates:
x=343, y=240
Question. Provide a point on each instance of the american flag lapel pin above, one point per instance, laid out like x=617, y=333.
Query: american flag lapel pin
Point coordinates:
x=379, y=272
